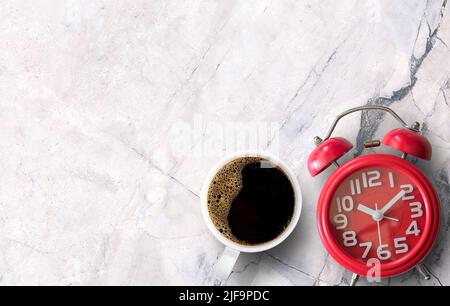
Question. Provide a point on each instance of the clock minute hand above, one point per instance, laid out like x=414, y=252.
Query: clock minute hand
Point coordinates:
x=393, y=201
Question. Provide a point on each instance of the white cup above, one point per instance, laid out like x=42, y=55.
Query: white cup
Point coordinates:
x=227, y=260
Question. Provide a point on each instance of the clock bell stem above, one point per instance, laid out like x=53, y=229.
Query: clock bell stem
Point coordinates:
x=423, y=271
x=355, y=278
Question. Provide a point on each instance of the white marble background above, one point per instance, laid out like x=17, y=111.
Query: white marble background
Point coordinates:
x=90, y=190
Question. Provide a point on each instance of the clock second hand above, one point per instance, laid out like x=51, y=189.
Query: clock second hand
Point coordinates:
x=378, y=227
x=372, y=212
x=390, y=218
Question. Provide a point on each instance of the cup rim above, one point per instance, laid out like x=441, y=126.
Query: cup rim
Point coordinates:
x=266, y=245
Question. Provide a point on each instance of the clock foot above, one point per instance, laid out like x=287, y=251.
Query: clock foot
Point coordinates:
x=354, y=279
x=423, y=271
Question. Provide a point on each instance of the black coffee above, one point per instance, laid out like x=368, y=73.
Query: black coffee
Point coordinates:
x=250, y=200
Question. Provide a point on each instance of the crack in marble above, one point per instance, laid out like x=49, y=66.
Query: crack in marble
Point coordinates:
x=323, y=268
x=442, y=183
x=153, y=165
x=427, y=116
x=253, y=262
x=153, y=237
x=258, y=261
x=26, y=245
x=182, y=185
x=267, y=6
x=444, y=95
x=301, y=86
x=290, y=266
x=318, y=76
x=104, y=249
x=199, y=63
x=437, y=254
x=191, y=75
x=420, y=27
x=214, y=73
x=443, y=42
x=445, y=141
x=316, y=279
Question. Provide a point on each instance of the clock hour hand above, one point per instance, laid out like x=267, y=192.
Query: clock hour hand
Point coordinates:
x=366, y=210
x=393, y=201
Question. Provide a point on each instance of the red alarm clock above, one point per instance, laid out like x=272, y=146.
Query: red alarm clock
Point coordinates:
x=376, y=208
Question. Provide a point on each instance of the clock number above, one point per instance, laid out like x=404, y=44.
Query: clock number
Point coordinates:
x=374, y=177
x=413, y=229
x=368, y=246
x=383, y=253
x=369, y=179
x=341, y=220
x=345, y=204
x=349, y=238
x=355, y=186
x=391, y=180
x=364, y=179
x=408, y=190
x=416, y=209
x=400, y=245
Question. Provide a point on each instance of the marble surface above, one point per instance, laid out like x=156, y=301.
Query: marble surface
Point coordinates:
x=98, y=187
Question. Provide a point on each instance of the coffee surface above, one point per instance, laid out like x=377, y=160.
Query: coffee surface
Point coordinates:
x=250, y=200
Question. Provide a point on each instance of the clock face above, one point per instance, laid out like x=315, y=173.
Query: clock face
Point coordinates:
x=378, y=208
x=377, y=212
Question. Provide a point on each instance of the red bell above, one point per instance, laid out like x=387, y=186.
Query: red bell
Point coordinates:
x=408, y=141
x=326, y=153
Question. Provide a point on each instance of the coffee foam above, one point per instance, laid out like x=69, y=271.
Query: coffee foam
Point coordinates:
x=223, y=188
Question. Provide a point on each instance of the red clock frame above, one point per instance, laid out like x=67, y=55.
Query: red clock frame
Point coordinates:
x=431, y=204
